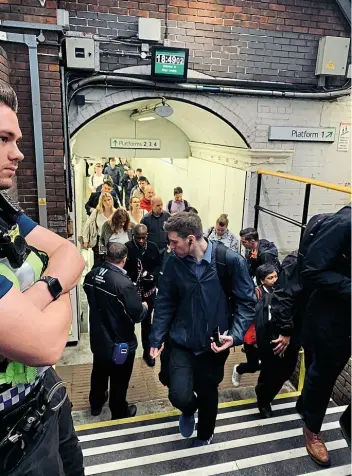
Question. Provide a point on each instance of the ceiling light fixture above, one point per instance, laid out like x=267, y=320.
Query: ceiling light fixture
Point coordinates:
x=149, y=113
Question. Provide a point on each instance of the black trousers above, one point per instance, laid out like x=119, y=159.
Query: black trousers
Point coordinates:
x=328, y=362
x=57, y=451
x=119, y=376
x=252, y=365
x=147, y=322
x=274, y=372
x=189, y=373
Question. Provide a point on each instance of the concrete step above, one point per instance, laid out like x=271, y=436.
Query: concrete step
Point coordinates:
x=244, y=444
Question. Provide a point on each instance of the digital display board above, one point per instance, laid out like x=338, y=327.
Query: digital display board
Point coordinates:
x=169, y=64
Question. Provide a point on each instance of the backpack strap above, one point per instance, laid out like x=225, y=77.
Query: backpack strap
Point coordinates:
x=169, y=206
x=210, y=232
x=222, y=269
x=186, y=203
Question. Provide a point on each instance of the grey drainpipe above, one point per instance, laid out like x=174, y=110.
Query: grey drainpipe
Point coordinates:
x=210, y=89
x=31, y=42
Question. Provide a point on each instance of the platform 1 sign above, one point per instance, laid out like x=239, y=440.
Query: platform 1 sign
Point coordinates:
x=148, y=144
x=305, y=134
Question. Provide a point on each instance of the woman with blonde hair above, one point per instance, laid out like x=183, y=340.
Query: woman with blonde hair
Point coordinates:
x=117, y=229
x=92, y=229
x=135, y=212
x=220, y=232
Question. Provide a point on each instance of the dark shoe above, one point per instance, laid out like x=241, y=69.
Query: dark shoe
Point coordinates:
x=196, y=443
x=131, y=412
x=148, y=360
x=265, y=412
x=186, y=425
x=97, y=411
x=316, y=448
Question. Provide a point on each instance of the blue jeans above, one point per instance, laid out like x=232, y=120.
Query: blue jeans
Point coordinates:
x=56, y=452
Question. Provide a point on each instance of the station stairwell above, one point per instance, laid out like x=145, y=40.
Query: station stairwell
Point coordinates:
x=243, y=445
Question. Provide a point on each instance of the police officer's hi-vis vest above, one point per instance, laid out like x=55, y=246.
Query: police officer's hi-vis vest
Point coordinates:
x=22, y=278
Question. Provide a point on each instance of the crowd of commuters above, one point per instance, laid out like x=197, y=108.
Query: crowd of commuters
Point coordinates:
x=204, y=304
x=192, y=315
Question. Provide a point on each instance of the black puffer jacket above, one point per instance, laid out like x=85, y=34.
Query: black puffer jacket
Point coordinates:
x=326, y=271
x=267, y=253
x=114, y=308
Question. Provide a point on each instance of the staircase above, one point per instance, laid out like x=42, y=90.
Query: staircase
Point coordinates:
x=244, y=445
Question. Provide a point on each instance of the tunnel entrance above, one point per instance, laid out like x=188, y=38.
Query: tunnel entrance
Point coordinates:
x=191, y=148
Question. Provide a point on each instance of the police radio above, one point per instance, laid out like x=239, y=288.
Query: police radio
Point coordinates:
x=12, y=245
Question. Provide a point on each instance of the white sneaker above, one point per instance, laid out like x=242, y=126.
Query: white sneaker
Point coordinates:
x=236, y=377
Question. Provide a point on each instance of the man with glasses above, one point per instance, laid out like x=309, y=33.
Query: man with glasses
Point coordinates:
x=143, y=262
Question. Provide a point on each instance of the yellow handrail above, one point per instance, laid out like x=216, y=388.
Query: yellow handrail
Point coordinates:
x=317, y=183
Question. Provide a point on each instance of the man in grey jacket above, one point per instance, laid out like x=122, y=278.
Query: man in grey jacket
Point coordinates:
x=191, y=308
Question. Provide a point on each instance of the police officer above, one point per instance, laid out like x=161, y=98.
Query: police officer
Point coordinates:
x=37, y=437
x=115, y=307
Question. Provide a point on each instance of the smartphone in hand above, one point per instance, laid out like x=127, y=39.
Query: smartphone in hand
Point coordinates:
x=216, y=337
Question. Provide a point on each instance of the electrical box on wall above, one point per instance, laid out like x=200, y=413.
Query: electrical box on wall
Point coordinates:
x=80, y=53
x=149, y=29
x=332, y=56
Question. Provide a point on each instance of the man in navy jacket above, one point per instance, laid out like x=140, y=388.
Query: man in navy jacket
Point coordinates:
x=190, y=305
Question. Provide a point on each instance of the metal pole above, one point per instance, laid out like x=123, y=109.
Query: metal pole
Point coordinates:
x=305, y=209
x=31, y=42
x=257, y=201
x=66, y=140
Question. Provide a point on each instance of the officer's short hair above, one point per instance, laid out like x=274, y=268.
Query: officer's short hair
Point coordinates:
x=8, y=96
x=185, y=224
x=116, y=252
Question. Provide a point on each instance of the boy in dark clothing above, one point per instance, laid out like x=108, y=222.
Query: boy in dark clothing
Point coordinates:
x=258, y=251
x=266, y=277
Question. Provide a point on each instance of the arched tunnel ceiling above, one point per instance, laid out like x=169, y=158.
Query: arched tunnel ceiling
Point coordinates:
x=197, y=124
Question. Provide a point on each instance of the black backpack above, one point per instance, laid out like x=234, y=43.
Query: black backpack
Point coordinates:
x=170, y=203
x=289, y=298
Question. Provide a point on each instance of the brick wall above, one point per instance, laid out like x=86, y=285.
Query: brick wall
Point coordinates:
x=242, y=39
x=28, y=10
x=49, y=77
x=5, y=77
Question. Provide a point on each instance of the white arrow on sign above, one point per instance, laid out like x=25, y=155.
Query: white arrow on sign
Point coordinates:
x=42, y=2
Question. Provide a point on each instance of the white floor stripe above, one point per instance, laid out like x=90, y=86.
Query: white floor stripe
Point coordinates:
x=339, y=471
x=219, y=429
x=162, y=426
x=260, y=460
x=172, y=455
x=99, y=450
x=285, y=455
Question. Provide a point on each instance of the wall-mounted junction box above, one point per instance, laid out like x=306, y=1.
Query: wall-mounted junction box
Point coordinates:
x=80, y=53
x=149, y=29
x=332, y=56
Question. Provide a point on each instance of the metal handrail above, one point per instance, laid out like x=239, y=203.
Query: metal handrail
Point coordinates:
x=307, y=181
x=317, y=183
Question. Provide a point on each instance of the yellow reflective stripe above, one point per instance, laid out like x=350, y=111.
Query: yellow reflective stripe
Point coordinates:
x=10, y=275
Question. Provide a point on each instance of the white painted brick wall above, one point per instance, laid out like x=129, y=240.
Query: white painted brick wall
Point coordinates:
x=252, y=117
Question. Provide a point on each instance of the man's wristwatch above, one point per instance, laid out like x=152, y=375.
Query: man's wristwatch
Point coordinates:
x=54, y=286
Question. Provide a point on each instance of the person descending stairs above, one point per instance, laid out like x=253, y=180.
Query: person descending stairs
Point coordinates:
x=243, y=445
